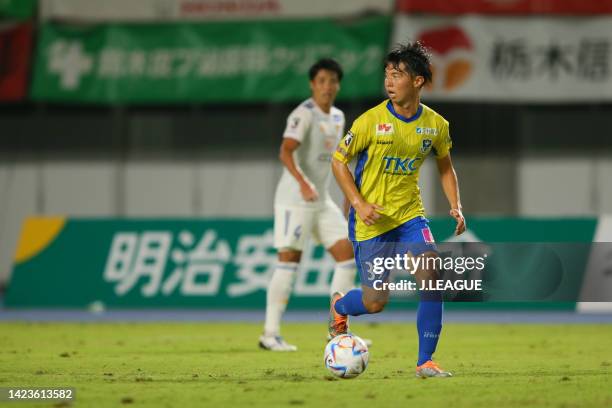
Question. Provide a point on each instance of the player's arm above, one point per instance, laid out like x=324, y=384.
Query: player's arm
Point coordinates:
x=450, y=185
x=367, y=212
x=287, y=157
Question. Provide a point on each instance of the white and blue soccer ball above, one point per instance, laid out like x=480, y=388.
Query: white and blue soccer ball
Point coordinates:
x=346, y=356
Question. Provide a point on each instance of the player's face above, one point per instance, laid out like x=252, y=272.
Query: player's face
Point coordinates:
x=401, y=86
x=325, y=86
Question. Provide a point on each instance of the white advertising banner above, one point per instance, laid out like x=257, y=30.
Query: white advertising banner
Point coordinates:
x=199, y=10
x=535, y=59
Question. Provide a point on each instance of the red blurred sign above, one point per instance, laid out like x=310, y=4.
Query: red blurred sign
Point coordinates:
x=573, y=7
x=15, y=51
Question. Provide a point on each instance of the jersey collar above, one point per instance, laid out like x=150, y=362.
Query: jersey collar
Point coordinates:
x=402, y=117
x=318, y=109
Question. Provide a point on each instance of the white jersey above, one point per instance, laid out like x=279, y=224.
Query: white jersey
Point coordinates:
x=318, y=134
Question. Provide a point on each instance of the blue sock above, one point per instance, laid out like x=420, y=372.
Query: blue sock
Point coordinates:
x=429, y=325
x=351, y=304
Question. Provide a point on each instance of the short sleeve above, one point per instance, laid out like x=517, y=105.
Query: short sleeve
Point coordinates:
x=355, y=141
x=298, y=123
x=443, y=143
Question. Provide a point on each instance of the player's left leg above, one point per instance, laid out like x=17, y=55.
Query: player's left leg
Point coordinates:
x=429, y=313
x=429, y=320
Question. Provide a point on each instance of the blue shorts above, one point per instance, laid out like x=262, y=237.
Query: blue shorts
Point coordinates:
x=413, y=236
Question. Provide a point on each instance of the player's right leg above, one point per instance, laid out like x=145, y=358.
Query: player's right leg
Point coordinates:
x=330, y=229
x=277, y=297
x=367, y=299
x=356, y=302
x=289, y=237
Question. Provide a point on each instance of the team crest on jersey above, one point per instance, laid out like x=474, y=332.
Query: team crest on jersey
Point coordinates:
x=384, y=129
x=348, y=138
x=426, y=145
x=426, y=131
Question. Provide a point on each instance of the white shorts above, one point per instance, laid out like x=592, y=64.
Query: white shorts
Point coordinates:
x=293, y=225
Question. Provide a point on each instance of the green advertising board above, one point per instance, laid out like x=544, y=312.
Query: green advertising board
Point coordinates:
x=209, y=263
x=251, y=61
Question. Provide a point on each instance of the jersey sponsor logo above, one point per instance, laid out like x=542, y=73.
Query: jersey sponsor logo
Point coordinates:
x=427, y=235
x=427, y=131
x=426, y=145
x=400, y=166
x=384, y=129
x=348, y=138
x=295, y=121
x=384, y=142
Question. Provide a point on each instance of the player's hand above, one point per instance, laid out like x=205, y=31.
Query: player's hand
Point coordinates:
x=309, y=192
x=368, y=213
x=458, y=216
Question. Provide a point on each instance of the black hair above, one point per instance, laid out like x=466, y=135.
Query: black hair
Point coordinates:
x=414, y=55
x=326, y=64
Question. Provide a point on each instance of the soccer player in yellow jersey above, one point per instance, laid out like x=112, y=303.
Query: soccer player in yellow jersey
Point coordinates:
x=387, y=218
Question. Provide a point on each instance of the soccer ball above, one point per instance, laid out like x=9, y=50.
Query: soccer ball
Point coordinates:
x=346, y=356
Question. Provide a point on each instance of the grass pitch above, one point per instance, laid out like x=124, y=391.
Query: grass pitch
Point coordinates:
x=219, y=365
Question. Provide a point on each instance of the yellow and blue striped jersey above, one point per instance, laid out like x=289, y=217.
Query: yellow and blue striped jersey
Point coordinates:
x=390, y=150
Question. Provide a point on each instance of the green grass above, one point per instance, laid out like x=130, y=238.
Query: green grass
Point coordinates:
x=219, y=365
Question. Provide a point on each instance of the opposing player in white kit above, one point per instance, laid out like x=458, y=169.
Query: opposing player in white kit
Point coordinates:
x=302, y=205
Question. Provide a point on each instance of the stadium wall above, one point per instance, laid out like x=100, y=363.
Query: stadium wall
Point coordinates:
x=233, y=187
